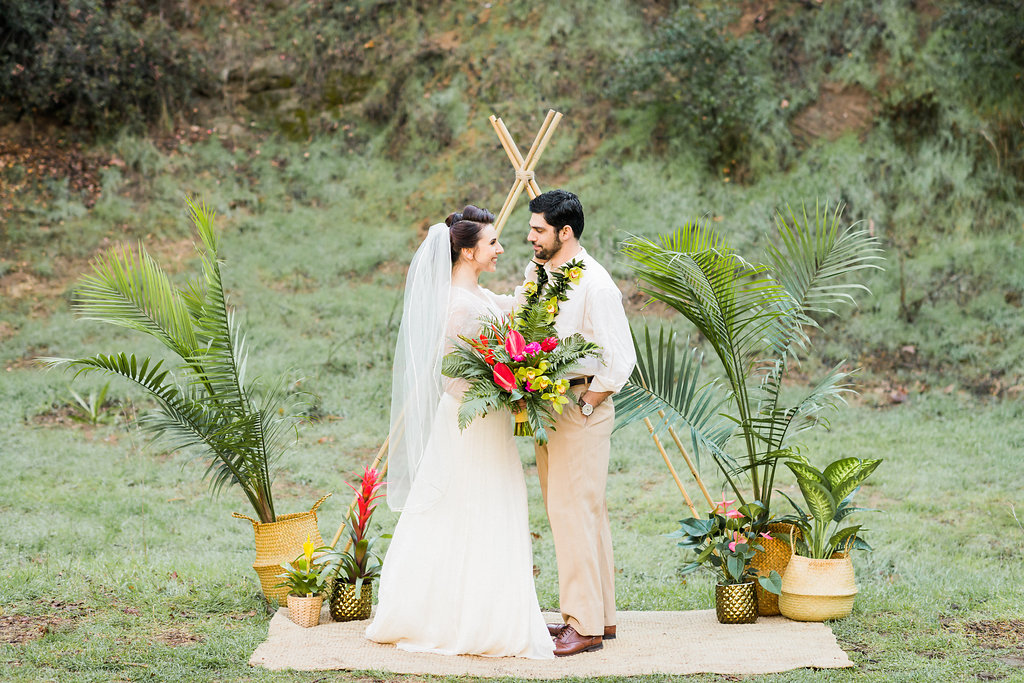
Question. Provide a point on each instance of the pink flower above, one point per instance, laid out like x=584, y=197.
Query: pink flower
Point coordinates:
x=548, y=344
x=515, y=344
x=737, y=538
x=764, y=534
x=723, y=505
x=531, y=348
x=733, y=514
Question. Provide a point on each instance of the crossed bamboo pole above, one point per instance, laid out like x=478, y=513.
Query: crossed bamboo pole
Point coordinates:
x=525, y=178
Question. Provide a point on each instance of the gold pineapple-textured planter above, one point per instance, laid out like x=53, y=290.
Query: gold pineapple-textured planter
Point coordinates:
x=736, y=603
x=345, y=606
x=816, y=590
x=305, y=611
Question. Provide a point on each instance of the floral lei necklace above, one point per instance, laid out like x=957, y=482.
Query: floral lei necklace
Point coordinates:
x=555, y=289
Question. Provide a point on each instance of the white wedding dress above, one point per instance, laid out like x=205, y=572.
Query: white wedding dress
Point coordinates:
x=458, y=575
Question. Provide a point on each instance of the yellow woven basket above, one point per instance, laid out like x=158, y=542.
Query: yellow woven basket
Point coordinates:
x=305, y=611
x=281, y=541
x=816, y=590
x=775, y=556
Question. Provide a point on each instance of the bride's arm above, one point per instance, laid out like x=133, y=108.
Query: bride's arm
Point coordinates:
x=463, y=320
x=504, y=302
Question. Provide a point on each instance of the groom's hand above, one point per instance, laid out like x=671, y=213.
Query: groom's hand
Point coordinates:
x=595, y=398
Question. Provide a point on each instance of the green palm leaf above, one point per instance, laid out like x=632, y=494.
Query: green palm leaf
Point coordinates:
x=211, y=404
x=660, y=384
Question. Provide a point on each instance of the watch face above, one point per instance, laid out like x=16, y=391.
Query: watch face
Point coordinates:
x=587, y=409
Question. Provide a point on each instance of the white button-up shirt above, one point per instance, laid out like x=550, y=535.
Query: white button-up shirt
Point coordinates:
x=594, y=309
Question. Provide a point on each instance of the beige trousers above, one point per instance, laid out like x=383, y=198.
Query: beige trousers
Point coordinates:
x=573, y=471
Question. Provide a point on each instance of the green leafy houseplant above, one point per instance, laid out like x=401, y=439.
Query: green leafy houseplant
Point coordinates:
x=205, y=401
x=757, y=320
x=828, y=495
x=303, y=576
x=725, y=543
x=357, y=563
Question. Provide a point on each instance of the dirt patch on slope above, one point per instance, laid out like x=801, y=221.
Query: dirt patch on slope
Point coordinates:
x=838, y=110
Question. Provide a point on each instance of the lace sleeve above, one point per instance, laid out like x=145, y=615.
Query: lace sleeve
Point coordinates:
x=464, y=313
x=503, y=302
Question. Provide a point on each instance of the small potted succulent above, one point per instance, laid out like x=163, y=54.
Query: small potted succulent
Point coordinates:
x=819, y=582
x=356, y=566
x=305, y=581
x=725, y=544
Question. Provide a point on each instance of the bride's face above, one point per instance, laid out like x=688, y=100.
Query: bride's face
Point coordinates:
x=486, y=252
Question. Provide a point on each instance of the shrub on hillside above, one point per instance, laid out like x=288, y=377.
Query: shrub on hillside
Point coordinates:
x=93, y=64
x=708, y=86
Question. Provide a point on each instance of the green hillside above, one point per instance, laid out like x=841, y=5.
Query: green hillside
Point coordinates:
x=371, y=118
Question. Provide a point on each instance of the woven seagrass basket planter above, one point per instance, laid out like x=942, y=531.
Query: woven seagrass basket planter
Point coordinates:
x=305, y=611
x=736, y=603
x=775, y=556
x=345, y=606
x=816, y=590
x=281, y=541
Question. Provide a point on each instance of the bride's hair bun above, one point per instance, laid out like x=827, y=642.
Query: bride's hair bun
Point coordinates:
x=464, y=228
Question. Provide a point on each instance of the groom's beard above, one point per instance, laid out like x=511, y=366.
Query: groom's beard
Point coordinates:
x=546, y=254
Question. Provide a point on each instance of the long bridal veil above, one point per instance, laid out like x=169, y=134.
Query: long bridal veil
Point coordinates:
x=416, y=380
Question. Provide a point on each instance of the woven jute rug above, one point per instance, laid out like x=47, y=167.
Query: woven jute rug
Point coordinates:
x=647, y=643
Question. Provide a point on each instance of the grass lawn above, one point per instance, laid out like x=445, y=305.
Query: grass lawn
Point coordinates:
x=117, y=563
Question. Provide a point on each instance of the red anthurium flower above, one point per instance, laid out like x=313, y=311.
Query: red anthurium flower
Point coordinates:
x=548, y=344
x=489, y=358
x=503, y=376
x=515, y=344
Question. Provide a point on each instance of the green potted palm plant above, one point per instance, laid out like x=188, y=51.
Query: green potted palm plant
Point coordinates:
x=305, y=581
x=204, y=400
x=725, y=544
x=355, y=566
x=819, y=581
x=756, y=319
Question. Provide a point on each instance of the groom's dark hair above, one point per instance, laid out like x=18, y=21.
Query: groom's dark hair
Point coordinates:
x=560, y=207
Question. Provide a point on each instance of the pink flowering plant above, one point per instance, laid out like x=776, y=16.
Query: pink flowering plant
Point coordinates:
x=519, y=364
x=725, y=543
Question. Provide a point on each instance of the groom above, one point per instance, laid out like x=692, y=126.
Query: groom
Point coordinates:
x=573, y=466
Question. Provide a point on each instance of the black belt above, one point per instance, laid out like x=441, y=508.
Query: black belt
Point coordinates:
x=576, y=381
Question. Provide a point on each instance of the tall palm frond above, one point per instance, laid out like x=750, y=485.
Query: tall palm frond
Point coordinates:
x=730, y=301
x=755, y=317
x=210, y=405
x=672, y=393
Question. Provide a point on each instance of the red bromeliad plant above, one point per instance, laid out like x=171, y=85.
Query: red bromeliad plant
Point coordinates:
x=357, y=563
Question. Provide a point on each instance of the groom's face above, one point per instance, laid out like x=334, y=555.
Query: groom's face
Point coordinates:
x=543, y=237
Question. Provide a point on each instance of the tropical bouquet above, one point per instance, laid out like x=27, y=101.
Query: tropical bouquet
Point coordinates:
x=725, y=543
x=518, y=363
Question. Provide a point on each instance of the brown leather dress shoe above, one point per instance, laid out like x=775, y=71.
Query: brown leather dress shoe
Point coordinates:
x=555, y=629
x=569, y=642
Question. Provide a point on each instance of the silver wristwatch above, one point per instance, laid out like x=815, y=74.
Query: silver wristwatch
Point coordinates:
x=585, y=407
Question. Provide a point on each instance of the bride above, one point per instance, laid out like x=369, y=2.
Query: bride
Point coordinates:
x=458, y=575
